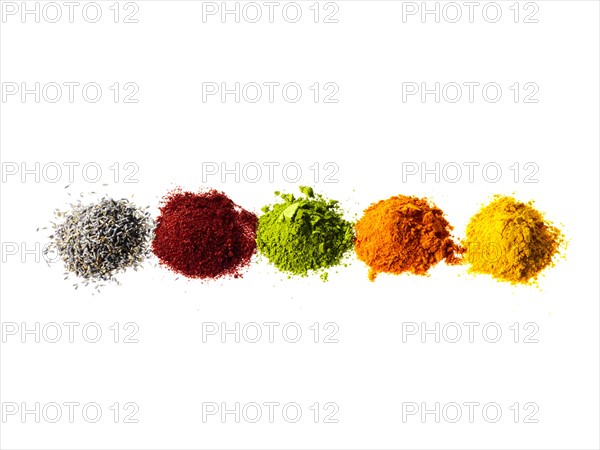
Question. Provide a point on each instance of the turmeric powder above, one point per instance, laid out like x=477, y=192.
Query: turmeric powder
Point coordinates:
x=511, y=241
x=404, y=234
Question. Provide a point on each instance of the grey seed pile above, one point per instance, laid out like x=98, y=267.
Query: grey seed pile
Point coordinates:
x=98, y=240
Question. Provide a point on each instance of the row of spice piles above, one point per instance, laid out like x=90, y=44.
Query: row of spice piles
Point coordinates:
x=205, y=235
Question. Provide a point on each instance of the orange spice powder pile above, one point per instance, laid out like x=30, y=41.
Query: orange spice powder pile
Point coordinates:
x=404, y=234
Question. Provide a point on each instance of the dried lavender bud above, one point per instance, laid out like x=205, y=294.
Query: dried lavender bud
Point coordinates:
x=98, y=240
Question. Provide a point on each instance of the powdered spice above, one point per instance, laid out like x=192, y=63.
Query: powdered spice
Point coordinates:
x=511, y=241
x=404, y=234
x=302, y=234
x=204, y=235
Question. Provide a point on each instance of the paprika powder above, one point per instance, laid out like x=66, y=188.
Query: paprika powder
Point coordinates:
x=404, y=234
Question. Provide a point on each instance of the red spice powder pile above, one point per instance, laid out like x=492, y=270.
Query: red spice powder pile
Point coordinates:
x=204, y=235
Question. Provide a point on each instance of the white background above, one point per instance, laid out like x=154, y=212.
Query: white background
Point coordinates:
x=369, y=133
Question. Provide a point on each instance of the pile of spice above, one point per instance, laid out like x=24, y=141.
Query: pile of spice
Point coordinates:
x=404, y=234
x=98, y=240
x=304, y=234
x=511, y=241
x=204, y=235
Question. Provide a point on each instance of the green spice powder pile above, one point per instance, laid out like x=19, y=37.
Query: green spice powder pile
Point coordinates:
x=304, y=234
x=511, y=241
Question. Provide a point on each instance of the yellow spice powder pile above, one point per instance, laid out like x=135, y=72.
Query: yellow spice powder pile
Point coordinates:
x=511, y=241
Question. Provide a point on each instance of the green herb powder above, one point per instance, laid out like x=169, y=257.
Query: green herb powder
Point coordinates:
x=304, y=234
